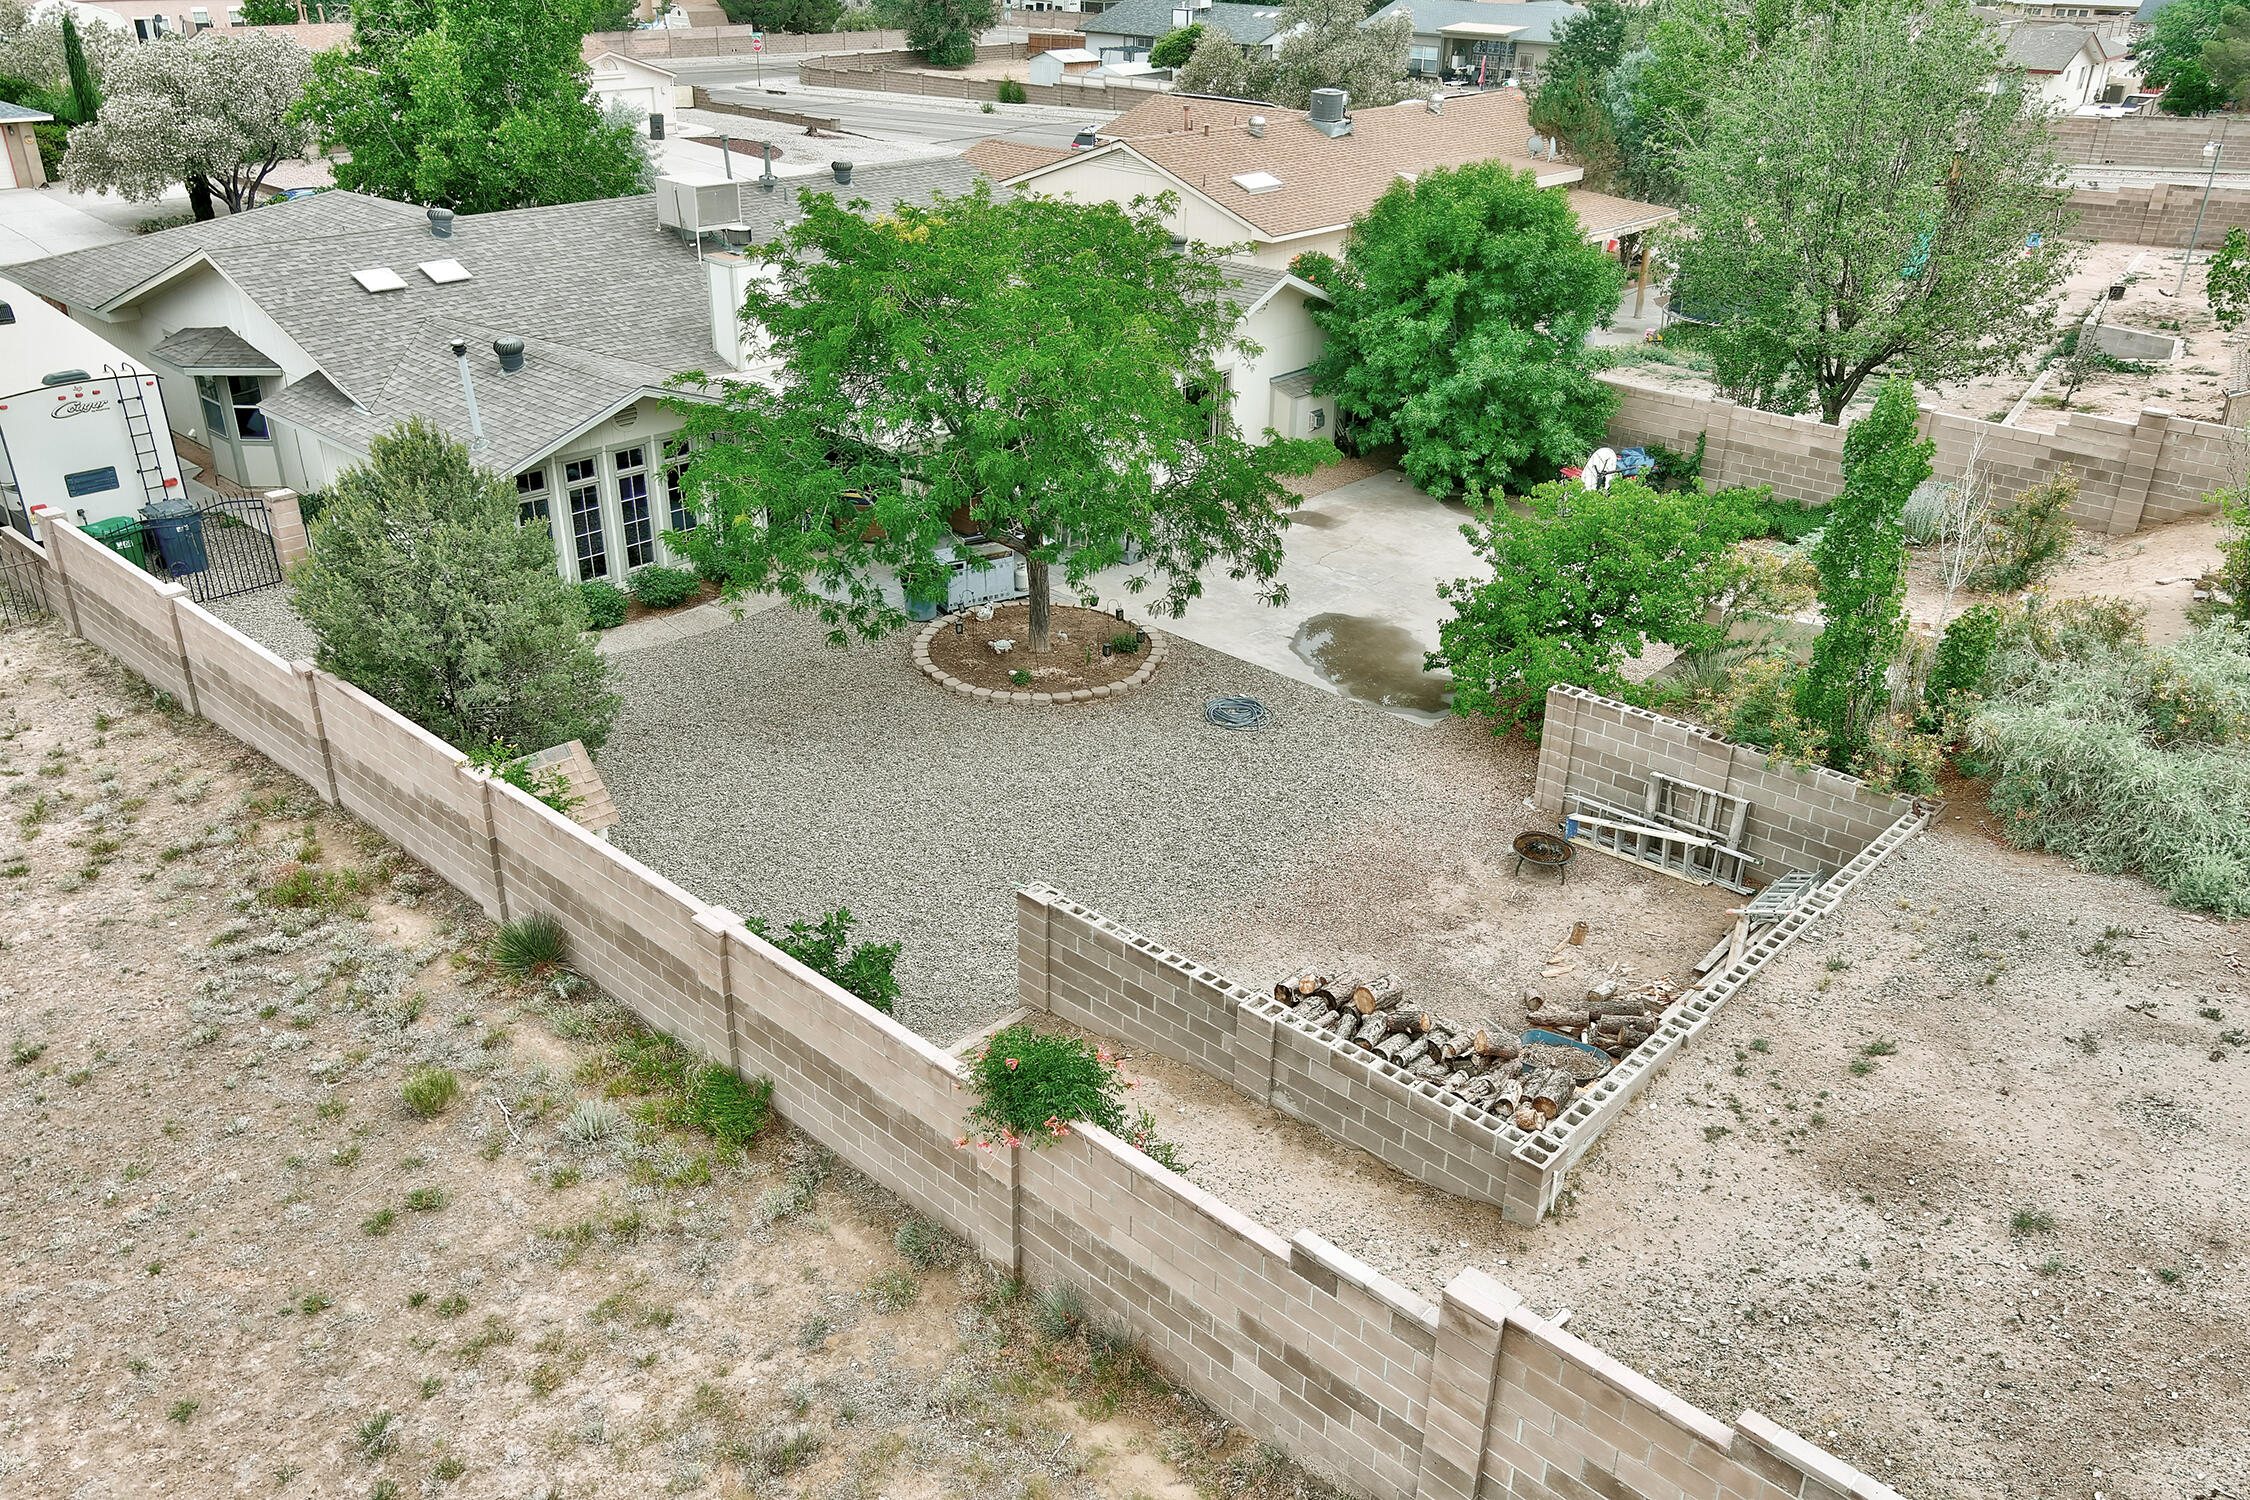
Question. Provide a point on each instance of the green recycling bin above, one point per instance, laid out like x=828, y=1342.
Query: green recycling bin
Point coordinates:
x=121, y=535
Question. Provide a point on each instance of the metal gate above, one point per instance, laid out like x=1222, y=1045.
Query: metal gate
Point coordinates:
x=221, y=547
x=23, y=589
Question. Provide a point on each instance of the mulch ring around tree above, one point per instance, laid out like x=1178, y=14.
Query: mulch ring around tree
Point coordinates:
x=1072, y=665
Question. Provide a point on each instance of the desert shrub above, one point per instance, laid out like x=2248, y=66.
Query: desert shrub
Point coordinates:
x=1925, y=518
x=1758, y=706
x=605, y=604
x=1010, y=91
x=529, y=947
x=1964, y=656
x=658, y=587
x=592, y=1122
x=429, y=1092
x=2234, y=551
x=825, y=947
x=506, y=763
x=2030, y=536
x=730, y=1111
x=925, y=1245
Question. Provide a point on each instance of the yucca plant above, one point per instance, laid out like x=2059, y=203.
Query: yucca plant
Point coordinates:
x=529, y=947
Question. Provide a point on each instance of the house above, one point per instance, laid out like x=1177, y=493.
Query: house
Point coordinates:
x=1281, y=182
x=1481, y=41
x=642, y=89
x=1127, y=30
x=287, y=337
x=2112, y=18
x=2066, y=66
x=20, y=146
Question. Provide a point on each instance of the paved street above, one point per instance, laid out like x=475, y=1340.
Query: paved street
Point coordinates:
x=38, y=222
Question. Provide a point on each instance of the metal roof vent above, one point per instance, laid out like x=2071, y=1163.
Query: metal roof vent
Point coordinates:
x=1328, y=115
x=1255, y=183
x=843, y=171
x=7, y=313
x=441, y=222
x=65, y=377
x=1258, y=126
x=379, y=279
x=510, y=353
x=1437, y=104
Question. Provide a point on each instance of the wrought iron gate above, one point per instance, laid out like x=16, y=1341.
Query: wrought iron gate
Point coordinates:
x=220, y=548
x=23, y=589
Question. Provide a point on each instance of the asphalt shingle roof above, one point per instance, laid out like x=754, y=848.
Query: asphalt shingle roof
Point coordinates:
x=214, y=349
x=1248, y=24
x=2043, y=49
x=14, y=113
x=1538, y=18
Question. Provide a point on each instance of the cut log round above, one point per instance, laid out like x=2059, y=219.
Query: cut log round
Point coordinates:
x=1628, y=1007
x=1527, y=1118
x=1552, y=1091
x=1284, y=992
x=1507, y=1094
x=1455, y=1080
x=1414, y=1052
x=1379, y=994
x=1394, y=1046
x=1558, y=1020
x=1370, y=1031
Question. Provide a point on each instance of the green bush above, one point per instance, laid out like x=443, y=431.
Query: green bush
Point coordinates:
x=430, y=1092
x=2030, y=537
x=825, y=947
x=529, y=947
x=605, y=604
x=1964, y=657
x=506, y=763
x=1031, y=1086
x=1676, y=470
x=1125, y=643
x=2234, y=550
x=1010, y=91
x=1782, y=520
x=956, y=49
x=657, y=587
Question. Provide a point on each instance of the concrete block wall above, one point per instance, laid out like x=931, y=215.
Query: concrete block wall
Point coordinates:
x=2161, y=213
x=1075, y=963
x=2155, y=468
x=1302, y=1344
x=2151, y=140
x=1799, y=819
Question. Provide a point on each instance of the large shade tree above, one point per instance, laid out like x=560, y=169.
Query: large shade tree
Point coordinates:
x=2172, y=56
x=1457, y=327
x=425, y=590
x=1862, y=200
x=1048, y=370
x=474, y=104
x=214, y=111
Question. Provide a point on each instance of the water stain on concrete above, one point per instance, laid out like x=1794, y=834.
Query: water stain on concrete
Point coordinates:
x=1318, y=520
x=1374, y=661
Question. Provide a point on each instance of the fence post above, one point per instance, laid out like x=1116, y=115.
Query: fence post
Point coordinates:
x=291, y=545
x=1464, y=1380
x=304, y=674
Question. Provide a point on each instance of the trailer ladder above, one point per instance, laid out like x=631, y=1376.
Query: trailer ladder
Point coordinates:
x=148, y=458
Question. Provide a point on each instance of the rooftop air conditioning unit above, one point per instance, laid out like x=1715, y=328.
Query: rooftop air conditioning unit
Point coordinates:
x=1327, y=115
x=691, y=205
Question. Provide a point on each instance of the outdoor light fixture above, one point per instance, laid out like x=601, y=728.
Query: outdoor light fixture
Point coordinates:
x=1140, y=638
x=958, y=627
x=1120, y=614
x=1105, y=651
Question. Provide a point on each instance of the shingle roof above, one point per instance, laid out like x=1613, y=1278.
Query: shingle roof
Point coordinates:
x=606, y=301
x=1324, y=182
x=18, y=113
x=1607, y=218
x=2043, y=49
x=1000, y=160
x=1248, y=24
x=1538, y=18
x=214, y=349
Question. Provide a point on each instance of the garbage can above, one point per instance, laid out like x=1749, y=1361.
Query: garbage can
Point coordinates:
x=176, y=527
x=121, y=535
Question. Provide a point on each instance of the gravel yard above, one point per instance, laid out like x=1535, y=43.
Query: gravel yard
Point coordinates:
x=1958, y=1188
x=779, y=776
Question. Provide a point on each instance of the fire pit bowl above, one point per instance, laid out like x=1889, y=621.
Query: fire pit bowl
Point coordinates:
x=1546, y=850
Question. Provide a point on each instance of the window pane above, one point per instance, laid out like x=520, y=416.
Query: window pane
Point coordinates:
x=628, y=458
x=586, y=523
x=632, y=505
x=531, y=496
x=214, y=414
x=249, y=421
x=675, y=494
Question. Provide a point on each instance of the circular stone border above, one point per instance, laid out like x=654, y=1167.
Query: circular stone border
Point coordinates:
x=946, y=680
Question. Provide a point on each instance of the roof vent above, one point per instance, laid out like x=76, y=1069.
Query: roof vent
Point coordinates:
x=441, y=222
x=510, y=352
x=843, y=171
x=379, y=279
x=444, y=272
x=1255, y=183
x=1084, y=140
x=65, y=377
x=1258, y=126
x=1328, y=115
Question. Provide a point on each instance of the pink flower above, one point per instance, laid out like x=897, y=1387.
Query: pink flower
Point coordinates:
x=1012, y=1064
x=960, y=1140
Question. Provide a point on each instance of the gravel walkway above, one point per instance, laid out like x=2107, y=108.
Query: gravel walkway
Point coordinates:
x=779, y=776
x=264, y=616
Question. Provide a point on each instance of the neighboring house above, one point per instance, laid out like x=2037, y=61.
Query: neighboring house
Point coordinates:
x=289, y=336
x=1481, y=41
x=1127, y=30
x=1276, y=181
x=643, y=89
x=2112, y=18
x=20, y=146
x=2066, y=66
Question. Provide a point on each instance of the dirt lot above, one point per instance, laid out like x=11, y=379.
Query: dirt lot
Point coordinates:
x=2155, y=569
x=1958, y=1188
x=238, y=1263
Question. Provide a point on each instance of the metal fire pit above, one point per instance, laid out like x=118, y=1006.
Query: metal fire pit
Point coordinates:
x=1546, y=851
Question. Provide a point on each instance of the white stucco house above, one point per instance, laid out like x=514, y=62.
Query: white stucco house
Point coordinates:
x=637, y=86
x=2066, y=65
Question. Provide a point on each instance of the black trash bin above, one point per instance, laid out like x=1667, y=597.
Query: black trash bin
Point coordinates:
x=176, y=529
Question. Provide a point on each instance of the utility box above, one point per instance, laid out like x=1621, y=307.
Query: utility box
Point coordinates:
x=82, y=430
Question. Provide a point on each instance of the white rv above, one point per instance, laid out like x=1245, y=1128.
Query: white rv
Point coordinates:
x=82, y=432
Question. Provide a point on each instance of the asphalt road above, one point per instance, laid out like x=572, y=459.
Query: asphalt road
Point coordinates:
x=940, y=124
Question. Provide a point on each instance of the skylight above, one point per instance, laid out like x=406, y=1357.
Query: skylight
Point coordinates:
x=379, y=279
x=1257, y=182
x=444, y=271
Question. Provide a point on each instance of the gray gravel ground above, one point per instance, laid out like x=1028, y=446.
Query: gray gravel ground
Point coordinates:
x=778, y=776
x=264, y=616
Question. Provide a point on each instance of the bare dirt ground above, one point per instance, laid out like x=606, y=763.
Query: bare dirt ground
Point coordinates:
x=1958, y=1188
x=2155, y=569
x=238, y=1264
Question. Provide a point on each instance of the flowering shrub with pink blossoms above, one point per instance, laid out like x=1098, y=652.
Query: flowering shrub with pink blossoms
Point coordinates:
x=1031, y=1087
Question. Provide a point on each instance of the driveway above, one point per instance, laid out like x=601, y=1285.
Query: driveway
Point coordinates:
x=38, y=222
x=1363, y=564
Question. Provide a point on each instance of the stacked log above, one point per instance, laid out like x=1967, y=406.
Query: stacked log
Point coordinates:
x=1609, y=1017
x=1482, y=1068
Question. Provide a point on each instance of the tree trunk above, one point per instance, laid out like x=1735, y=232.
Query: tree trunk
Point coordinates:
x=199, y=197
x=1041, y=606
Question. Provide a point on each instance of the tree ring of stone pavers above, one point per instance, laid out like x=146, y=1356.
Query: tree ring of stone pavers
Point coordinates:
x=946, y=680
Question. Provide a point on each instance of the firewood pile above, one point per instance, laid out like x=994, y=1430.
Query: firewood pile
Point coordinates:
x=1497, y=1075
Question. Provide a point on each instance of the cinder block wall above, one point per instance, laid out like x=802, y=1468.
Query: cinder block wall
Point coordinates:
x=2156, y=468
x=1799, y=819
x=2152, y=140
x=1302, y=1344
x=1073, y=962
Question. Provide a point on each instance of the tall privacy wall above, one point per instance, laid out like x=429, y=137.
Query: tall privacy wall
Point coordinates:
x=2158, y=213
x=1301, y=1344
x=2152, y=141
x=2145, y=472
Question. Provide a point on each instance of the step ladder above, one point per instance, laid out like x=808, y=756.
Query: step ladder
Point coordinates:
x=148, y=458
x=1776, y=901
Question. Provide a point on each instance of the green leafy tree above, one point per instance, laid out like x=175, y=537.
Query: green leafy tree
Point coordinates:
x=946, y=31
x=826, y=948
x=1569, y=107
x=424, y=591
x=48, y=64
x=2171, y=56
x=216, y=111
x=2226, y=56
x=1175, y=47
x=85, y=97
x=475, y=104
x=1861, y=557
x=1331, y=44
x=785, y=15
x=1457, y=327
x=270, y=13
x=1861, y=200
x=1581, y=584
x=1216, y=66
x=1694, y=46
x=1049, y=368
